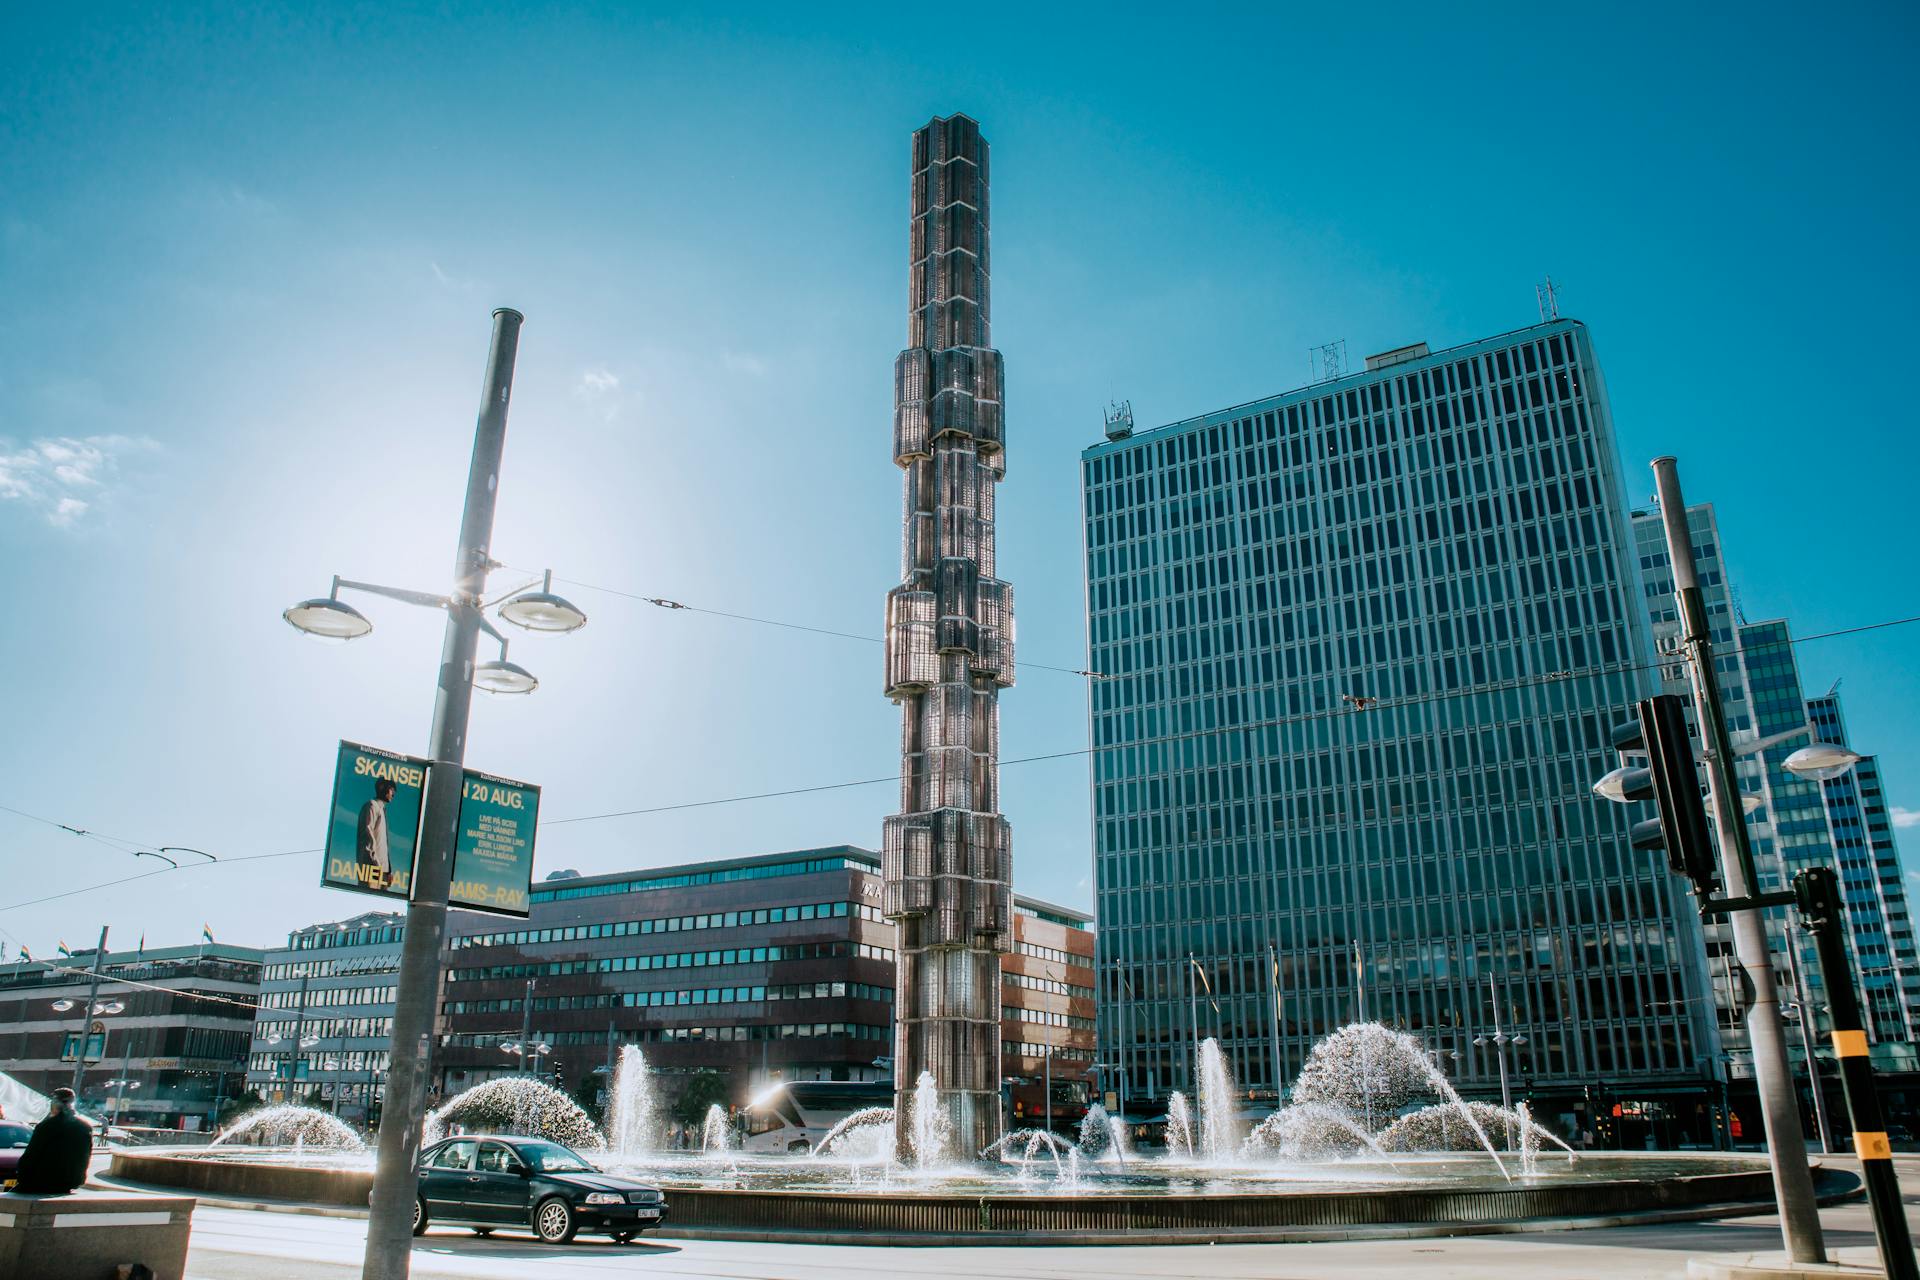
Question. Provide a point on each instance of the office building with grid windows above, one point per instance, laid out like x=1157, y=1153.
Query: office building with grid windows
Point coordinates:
x=1363, y=646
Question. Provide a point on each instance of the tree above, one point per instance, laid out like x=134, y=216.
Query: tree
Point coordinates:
x=232, y=1108
x=705, y=1089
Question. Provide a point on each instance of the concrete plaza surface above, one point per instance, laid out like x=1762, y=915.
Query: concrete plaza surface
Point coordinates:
x=230, y=1244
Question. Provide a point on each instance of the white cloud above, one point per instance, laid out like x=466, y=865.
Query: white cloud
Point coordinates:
x=1906, y=817
x=52, y=474
x=598, y=381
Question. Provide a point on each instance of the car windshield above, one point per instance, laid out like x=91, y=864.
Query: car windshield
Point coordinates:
x=14, y=1135
x=551, y=1157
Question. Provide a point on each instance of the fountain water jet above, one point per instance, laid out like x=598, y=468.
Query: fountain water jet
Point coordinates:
x=290, y=1125
x=631, y=1119
x=1179, y=1124
x=1219, y=1113
x=931, y=1129
x=516, y=1104
x=844, y=1134
x=1307, y=1130
x=716, y=1132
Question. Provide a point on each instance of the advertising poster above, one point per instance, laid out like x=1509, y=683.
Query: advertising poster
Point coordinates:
x=493, y=855
x=374, y=822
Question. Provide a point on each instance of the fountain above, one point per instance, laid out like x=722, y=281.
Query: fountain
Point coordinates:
x=1373, y=1134
x=289, y=1125
x=515, y=1104
x=632, y=1121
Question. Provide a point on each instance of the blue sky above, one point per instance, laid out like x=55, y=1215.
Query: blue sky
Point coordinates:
x=248, y=260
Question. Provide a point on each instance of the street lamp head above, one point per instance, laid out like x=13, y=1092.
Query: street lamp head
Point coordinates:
x=61, y=1006
x=544, y=611
x=1821, y=761
x=1750, y=803
x=109, y=1006
x=326, y=618
x=1519, y=1039
x=1481, y=1041
x=1614, y=786
x=504, y=677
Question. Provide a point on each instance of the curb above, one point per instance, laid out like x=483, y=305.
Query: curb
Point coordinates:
x=1292, y=1235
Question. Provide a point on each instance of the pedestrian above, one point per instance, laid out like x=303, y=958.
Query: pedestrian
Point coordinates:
x=56, y=1158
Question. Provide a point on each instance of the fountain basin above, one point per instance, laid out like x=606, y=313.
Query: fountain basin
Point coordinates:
x=793, y=1200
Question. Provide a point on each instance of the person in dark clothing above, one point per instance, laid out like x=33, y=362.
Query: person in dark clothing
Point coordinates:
x=56, y=1158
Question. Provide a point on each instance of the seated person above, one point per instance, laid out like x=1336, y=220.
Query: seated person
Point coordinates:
x=56, y=1158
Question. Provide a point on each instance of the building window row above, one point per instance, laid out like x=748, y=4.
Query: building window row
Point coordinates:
x=675, y=960
x=693, y=996
x=1049, y=985
x=325, y=997
x=672, y=924
x=810, y=866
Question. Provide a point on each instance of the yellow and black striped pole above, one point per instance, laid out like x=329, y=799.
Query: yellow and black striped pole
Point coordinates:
x=1818, y=890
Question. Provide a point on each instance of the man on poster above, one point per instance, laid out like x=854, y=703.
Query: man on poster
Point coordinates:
x=371, y=841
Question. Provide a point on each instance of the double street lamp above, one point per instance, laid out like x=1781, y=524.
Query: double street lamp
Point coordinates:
x=390, y=1223
x=1500, y=1040
x=528, y=1053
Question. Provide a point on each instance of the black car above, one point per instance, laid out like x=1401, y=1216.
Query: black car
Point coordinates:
x=493, y=1180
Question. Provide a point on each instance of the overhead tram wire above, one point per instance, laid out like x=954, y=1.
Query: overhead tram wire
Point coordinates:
x=660, y=602
x=1357, y=705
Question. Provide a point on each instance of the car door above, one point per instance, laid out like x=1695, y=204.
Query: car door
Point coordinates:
x=443, y=1179
x=499, y=1187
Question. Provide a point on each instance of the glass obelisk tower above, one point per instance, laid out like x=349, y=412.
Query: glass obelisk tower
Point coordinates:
x=948, y=855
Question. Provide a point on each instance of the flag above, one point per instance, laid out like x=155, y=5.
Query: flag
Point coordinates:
x=206, y=931
x=64, y=949
x=24, y=953
x=143, y=945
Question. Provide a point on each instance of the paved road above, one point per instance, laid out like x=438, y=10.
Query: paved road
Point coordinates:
x=241, y=1245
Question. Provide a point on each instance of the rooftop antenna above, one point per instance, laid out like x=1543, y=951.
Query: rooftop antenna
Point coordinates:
x=1547, y=295
x=1119, y=416
x=1327, y=361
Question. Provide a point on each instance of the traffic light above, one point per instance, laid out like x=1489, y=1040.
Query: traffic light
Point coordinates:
x=1672, y=782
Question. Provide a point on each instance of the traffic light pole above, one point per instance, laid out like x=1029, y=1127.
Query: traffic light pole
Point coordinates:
x=1779, y=1107
x=1818, y=890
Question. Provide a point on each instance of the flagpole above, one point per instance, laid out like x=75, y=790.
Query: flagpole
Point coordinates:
x=1273, y=991
x=1193, y=1015
x=86, y=1019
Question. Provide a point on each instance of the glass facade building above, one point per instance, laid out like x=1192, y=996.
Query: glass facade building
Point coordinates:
x=1879, y=920
x=1362, y=647
x=1792, y=822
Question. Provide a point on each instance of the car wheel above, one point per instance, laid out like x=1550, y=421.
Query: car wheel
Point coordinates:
x=554, y=1221
x=419, y=1216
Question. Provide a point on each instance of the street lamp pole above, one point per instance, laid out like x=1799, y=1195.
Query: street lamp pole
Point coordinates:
x=526, y=1026
x=390, y=1222
x=1786, y=1147
x=1273, y=1018
x=86, y=1017
x=299, y=1034
x=1500, y=1046
x=1808, y=1035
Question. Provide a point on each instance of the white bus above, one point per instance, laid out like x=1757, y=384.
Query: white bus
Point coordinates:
x=793, y=1115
